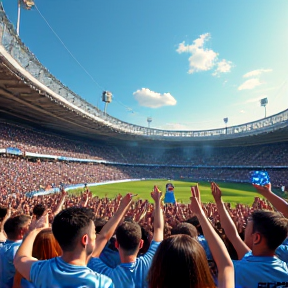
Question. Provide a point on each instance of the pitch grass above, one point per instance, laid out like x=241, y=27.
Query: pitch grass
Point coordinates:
x=233, y=193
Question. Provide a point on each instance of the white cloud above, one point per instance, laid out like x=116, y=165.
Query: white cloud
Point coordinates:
x=148, y=98
x=257, y=72
x=201, y=59
x=223, y=66
x=242, y=111
x=250, y=84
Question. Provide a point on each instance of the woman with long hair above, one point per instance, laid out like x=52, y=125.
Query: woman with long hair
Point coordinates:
x=45, y=247
x=180, y=260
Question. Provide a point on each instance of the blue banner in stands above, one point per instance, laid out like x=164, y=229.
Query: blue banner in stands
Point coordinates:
x=14, y=151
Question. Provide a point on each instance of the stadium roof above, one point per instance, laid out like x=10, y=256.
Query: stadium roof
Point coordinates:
x=29, y=93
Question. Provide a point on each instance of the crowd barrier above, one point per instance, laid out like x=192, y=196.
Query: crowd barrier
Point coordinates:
x=76, y=186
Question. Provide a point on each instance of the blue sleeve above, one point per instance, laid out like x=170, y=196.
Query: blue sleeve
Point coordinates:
x=147, y=258
x=36, y=271
x=97, y=265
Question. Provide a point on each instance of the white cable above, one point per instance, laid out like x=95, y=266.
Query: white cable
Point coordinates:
x=99, y=86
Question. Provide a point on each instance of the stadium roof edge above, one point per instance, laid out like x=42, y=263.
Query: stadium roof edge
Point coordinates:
x=30, y=92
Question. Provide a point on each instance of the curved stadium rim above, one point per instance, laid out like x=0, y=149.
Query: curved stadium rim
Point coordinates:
x=23, y=63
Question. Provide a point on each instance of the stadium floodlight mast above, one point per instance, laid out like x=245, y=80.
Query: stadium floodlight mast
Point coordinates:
x=263, y=103
x=107, y=98
x=26, y=4
x=149, y=120
x=225, y=121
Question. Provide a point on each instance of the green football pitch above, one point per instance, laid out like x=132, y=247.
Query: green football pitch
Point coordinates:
x=232, y=192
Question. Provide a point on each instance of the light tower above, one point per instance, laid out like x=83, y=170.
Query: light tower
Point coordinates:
x=149, y=120
x=225, y=121
x=107, y=98
x=27, y=4
x=263, y=103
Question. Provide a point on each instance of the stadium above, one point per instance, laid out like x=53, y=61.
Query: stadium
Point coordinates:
x=34, y=103
x=50, y=137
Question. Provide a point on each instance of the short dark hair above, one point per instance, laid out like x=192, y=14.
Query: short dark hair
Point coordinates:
x=3, y=212
x=195, y=222
x=70, y=224
x=39, y=210
x=99, y=224
x=128, y=235
x=186, y=229
x=272, y=225
x=13, y=225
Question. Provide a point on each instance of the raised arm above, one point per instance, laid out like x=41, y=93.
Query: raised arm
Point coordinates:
x=61, y=202
x=158, y=234
x=228, y=224
x=109, y=228
x=216, y=245
x=3, y=235
x=23, y=259
x=279, y=203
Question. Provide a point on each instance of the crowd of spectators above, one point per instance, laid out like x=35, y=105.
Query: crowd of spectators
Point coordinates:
x=19, y=174
x=128, y=251
x=43, y=142
x=217, y=221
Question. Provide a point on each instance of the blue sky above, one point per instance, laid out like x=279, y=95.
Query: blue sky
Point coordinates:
x=186, y=64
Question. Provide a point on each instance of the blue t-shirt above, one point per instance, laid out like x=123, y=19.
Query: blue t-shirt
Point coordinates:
x=260, y=272
x=110, y=257
x=55, y=273
x=282, y=251
x=204, y=244
x=127, y=275
x=7, y=269
x=26, y=284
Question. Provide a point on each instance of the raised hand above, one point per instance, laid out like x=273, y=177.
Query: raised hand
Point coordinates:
x=196, y=200
x=216, y=192
x=156, y=194
x=126, y=200
x=263, y=189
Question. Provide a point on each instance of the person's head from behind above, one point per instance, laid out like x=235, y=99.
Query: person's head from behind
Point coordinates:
x=45, y=245
x=99, y=224
x=74, y=230
x=16, y=227
x=195, y=222
x=185, y=228
x=146, y=236
x=39, y=210
x=267, y=228
x=180, y=261
x=3, y=212
x=128, y=238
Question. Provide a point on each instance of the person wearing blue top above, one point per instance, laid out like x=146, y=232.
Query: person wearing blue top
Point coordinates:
x=260, y=271
x=257, y=266
x=282, y=251
x=133, y=271
x=282, y=206
x=74, y=230
x=15, y=229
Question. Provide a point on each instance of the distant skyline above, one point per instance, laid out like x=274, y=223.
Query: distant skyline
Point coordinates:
x=187, y=64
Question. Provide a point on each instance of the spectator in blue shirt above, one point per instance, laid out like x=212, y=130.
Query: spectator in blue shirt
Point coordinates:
x=15, y=229
x=74, y=230
x=265, y=231
x=282, y=206
x=132, y=272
